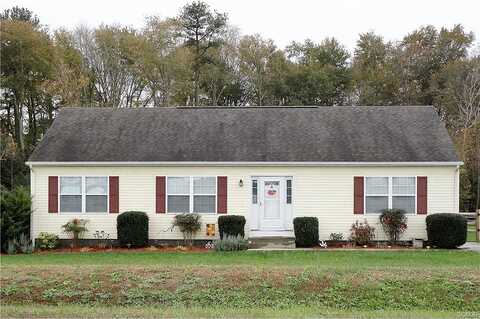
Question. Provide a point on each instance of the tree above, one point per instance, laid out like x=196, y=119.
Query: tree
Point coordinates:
x=202, y=30
x=163, y=63
x=373, y=72
x=70, y=78
x=111, y=54
x=20, y=14
x=323, y=75
x=255, y=54
x=26, y=62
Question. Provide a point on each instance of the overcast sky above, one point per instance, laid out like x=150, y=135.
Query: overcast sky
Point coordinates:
x=282, y=21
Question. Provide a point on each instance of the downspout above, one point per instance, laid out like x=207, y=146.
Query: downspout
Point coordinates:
x=456, y=190
x=32, y=206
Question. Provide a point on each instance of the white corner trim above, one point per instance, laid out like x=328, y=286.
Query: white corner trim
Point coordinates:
x=199, y=163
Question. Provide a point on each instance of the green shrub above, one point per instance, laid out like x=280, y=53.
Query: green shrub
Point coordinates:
x=75, y=227
x=362, y=233
x=336, y=236
x=231, y=225
x=189, y=224
x=306, y=231
x=394, y=223
x=132, y=229
x=14, y=215
x=47, y=240
x=231, y=243
x=446, y=230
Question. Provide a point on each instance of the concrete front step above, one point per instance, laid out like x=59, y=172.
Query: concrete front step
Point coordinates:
x=272, y=242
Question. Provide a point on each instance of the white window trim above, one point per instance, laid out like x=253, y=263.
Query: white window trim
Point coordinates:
x=191, y=194
x=389, y=195
x=84, y=194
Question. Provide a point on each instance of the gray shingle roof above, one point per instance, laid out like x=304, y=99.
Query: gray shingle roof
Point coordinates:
x=248, y=134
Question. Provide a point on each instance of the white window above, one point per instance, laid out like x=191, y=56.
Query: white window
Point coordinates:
x=83, y=194
x=403, y=193
x=390, y=192
x=191, y=194
x=376, y=198
x=96, y=194
x=71, y=194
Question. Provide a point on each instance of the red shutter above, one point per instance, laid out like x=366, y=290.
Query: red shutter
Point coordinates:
x=53, y=194
x=160, y=194
x=113, y=194
x=422, y=195
x=358, y=195
x=222, y=194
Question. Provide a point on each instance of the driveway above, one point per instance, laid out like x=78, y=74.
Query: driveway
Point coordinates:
x=473, y=246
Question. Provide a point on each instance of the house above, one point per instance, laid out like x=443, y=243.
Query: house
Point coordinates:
x=270, y=164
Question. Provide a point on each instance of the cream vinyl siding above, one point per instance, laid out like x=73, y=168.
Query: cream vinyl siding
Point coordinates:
x=324, y=192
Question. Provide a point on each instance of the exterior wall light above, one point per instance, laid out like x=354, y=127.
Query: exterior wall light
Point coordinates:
x=240, y=183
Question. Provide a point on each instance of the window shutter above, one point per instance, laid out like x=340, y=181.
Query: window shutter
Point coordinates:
x=113, y=195
x=53, y=194
x=422, y=195
x=358, y=192
x=160, y=194
x=221, y=194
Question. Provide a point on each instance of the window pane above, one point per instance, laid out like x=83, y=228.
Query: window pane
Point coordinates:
x=375, y=204
x=289, y=191
x=178, y=185
x=254, y=191
x=71, y=185
x=403, y=185
x=377, y=185
x=407, y=203
x=178, y=204
x=96, y=185
x=204, y=204
x=71, y=203
x=96, y=204
x=204, y=185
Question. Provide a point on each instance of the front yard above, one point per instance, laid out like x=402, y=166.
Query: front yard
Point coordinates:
x=243, y=284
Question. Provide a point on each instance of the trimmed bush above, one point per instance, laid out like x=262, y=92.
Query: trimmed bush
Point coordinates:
x=231, y=225
x=132, y=229
x=306, y=231
x=446, y=230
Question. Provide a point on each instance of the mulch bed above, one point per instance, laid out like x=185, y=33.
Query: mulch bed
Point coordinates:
x=193, y=249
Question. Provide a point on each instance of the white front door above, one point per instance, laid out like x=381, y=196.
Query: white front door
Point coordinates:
x=271, y=203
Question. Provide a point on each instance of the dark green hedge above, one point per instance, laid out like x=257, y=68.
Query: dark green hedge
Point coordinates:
x=306, y=231
x=446, y=230
x=231, y=225
x=132, y=229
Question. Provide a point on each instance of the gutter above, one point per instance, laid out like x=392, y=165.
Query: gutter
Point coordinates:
x=275, y=164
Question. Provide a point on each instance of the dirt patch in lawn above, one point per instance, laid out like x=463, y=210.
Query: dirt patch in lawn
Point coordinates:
x=239, y=286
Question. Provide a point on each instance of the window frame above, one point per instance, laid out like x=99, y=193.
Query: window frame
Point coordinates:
x=191, y=194
x=84, y=194
x=390, y=194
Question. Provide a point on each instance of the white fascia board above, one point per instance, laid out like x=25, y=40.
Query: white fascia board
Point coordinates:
x=409, y=164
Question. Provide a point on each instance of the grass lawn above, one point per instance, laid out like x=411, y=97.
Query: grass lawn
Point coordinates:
x=471, y=233
x=407, y=284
